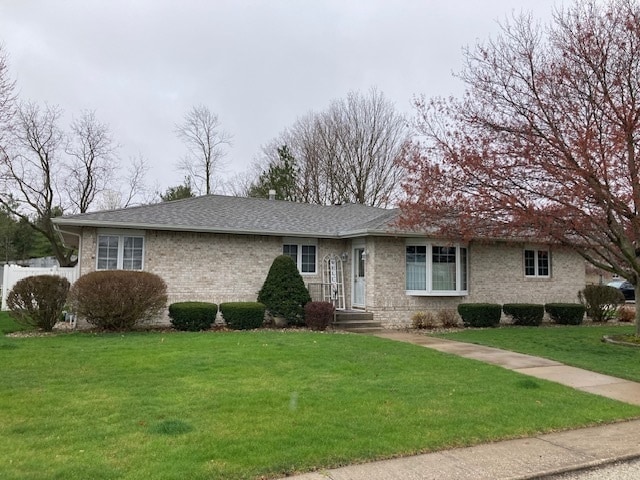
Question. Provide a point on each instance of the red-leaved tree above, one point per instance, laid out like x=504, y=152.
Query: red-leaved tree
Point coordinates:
x=544, y=142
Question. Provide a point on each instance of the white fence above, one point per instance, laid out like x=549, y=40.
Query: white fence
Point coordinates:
x=13, y=273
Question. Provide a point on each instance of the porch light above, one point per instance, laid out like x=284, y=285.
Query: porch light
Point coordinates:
x=344, y=256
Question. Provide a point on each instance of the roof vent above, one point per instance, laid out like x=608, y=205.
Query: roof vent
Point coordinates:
x=272, y=194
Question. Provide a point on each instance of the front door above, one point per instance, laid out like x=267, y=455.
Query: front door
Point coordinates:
x=358, y=277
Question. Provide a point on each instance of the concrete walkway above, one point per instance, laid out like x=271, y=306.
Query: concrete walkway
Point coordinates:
x=605, y=385
x=528, y=458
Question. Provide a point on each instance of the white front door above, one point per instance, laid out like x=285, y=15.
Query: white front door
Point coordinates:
x=358, y=278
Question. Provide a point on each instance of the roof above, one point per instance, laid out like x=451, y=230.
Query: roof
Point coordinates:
x=223, y=214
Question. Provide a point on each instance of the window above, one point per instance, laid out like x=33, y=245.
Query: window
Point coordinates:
x=436, y=269
x=537, y=263
x=120, y=252
x=303, y=254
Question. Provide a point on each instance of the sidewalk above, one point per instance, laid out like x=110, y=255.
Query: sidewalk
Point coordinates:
x=526, y=458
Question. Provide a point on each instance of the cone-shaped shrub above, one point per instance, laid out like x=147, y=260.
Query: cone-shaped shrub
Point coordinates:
x=283, y=292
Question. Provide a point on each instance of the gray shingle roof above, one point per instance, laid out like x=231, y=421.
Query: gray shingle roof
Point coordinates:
x=222, y=214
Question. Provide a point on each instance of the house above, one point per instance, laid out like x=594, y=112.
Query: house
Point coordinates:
x=219, y=248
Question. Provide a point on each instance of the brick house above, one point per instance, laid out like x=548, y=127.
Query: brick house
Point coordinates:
x=218, y=248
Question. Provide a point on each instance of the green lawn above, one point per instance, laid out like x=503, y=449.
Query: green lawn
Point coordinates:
x=578, y=346
x=248, y=404
x=8, y=325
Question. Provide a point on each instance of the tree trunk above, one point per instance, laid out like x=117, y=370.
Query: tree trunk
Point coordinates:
x=637, y=289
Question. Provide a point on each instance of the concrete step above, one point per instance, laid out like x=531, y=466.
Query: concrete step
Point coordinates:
x=358, y=322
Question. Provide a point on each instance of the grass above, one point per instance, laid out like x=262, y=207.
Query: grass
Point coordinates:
x=255, y=404
x=9, y=325
x=578, y=346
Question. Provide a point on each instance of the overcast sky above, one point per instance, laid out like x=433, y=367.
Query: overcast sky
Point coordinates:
x=142, y=64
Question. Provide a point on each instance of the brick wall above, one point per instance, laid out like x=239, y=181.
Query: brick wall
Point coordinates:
x=496, y=274
x=224, y=267
x=210, y=267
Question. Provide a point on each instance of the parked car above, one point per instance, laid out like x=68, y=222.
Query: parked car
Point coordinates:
x=625, y=287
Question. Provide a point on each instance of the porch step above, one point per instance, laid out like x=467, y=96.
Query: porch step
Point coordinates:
x=357, y=322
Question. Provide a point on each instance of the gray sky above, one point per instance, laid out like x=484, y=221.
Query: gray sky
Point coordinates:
x=142, y=64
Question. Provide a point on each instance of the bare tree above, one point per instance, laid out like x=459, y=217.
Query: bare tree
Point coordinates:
x=92, y=163
x=347, y=153
x=206, y=143
x=7, y=98
x=45, y=172
x=31, y=168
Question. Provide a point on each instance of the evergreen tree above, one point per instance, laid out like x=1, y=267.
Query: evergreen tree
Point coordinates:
x=280, y=176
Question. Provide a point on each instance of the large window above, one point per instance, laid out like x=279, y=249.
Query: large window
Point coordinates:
x=436, y=269
x=120, y=252
x=537, y=263
x=303, y=254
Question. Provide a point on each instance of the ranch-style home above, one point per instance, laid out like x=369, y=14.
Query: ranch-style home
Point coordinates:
x=219, y=249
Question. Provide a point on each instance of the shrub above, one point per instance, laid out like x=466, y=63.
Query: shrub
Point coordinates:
x=565, y=313
x=192, y=316
x=626, y=314
x=448, y=317
x=283, y=291
x=243, y=315
x=118, y=299
x=38, y=301
x=527, y=314
x=600, y=301
x=421, y=320
x=318, y=315
x=480, y=314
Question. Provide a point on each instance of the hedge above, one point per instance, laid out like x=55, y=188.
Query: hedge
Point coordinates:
x=480, y=314
x=526, y=314
x=243, y=315
x=192, y=316
x=565, y=313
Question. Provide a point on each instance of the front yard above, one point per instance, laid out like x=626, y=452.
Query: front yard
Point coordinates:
x=253, y=404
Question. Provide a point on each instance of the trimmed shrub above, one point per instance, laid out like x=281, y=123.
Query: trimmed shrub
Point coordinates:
x=192, y=316
x=318, y=315
x=243, y=315
x=118, y=299
x=600, y=301
x=480, y=314
x=448, y=318
x=565, y=313
x=38, y=301
x=283, y=292
x=525, y=314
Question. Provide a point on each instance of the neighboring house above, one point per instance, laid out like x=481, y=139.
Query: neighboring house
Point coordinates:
x=219, y=249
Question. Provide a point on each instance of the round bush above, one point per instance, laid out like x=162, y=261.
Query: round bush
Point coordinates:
x=38, y=301
x=565, y=313
x=601, y=301
x=526, y=314
x=318, y=315
x=243, y=315
x=283, y=292
x=192, y=316
x=480, y=314
x=118, y=299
